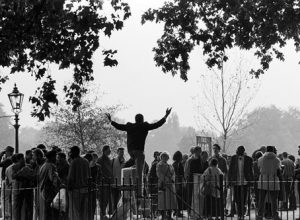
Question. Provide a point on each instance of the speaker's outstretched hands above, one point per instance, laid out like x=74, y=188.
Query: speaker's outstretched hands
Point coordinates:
x=168, y=111
x=108, y=116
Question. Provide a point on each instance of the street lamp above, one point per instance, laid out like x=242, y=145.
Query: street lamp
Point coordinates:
x=16, y=99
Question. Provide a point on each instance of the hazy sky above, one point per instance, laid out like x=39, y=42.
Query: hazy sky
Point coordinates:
x=142, y=87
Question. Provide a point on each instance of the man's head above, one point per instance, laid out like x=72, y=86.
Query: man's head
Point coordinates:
x=61, y=156
x=37, y=155
x=74, y=152
x=139, y=119
x=216, y=149
x=197, y=151
x=28, y=155
x=20, y=159
x=9, y=151
x=240, y=150
x=106, y=150
x=156, y=155
x=192, y=150
x=51, y=156
x=298, y=150
x=14, y=158
x=120, y=152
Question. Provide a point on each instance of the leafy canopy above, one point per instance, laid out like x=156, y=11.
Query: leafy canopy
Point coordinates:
x=217, y=25
x=34, y=33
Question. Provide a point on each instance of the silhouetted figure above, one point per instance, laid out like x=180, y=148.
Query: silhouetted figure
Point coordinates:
x=48, y=186
x=78, y=182
x=136, y=137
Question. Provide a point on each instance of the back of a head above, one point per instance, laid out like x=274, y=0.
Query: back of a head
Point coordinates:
x=51, y=155
x=89, y=157
x=258, y=155
x=19, y=156
x=75, y=151
x=41, y=146
x=270, y=149
x=285, y=154
x=213, y=162
x=62, y=155
x=39, y=153
x=292, y=157
x=105, y=148
x=240, y=150
x=14, y=158
x=28, y=152
x=197, y=149
x=139, y=119
x=177, y=156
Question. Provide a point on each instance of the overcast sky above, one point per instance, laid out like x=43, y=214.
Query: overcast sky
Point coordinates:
x=142, y=87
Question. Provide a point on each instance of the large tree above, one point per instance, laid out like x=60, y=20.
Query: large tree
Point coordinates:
x=34, y=33
x=87, y=127
x=218, y=25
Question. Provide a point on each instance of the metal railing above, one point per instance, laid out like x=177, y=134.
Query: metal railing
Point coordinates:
x=199, y=197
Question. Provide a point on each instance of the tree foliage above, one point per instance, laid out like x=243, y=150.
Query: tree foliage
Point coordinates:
x=87, y=127
x=268, y=126
x=218, y=25
x=34, y=33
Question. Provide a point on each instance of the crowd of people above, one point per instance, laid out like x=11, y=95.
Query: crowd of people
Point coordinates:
x=31, y=181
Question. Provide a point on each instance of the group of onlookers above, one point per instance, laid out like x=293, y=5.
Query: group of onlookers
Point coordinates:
x=263, y=180
x=30, y=182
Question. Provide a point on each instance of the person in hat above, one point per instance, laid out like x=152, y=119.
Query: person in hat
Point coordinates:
x=136, y=136
x=117, y=165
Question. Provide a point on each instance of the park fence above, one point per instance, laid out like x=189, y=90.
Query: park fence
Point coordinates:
x=195, y=198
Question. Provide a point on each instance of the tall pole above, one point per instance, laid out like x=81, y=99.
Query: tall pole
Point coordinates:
x=16, y=125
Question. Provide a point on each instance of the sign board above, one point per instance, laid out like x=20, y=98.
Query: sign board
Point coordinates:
x=205, y=143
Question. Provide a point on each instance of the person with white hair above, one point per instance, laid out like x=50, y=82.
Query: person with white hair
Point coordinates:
x=166, y=186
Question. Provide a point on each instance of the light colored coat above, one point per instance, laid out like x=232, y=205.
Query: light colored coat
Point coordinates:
x=212, y=174
x=117, y=170
x=269, y=165
x=166, y=177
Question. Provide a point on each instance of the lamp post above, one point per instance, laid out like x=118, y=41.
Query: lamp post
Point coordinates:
x=16, y=100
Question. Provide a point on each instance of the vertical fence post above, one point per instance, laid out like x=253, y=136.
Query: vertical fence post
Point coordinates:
x=89, y=199
x=222, y=196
